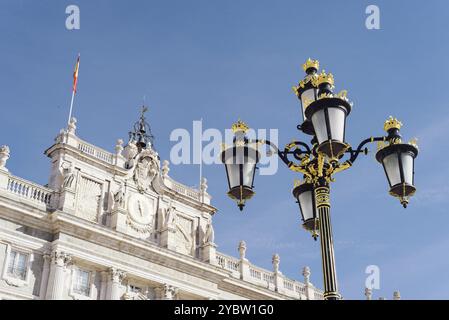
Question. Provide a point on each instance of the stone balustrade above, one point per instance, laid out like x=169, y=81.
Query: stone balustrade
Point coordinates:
x=95, y=152
x=29, y=191
x=267, y=279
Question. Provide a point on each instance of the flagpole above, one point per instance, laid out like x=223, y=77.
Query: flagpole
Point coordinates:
x=201, y=153
x=75, y=82
x=71, y=106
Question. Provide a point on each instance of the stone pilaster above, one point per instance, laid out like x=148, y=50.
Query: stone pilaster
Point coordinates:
x=55, y=290
x=168, y=237
x=209, y=253
x=45, y=276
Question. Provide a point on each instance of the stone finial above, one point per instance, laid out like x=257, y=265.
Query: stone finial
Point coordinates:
x=165, y=168
x=4, y=156
x=368, y=293
x=276, y=261
x=306, y=273
x=71, y=127
x=396, y=295
x=242, y=250
x=203, y=186
x=119, y=147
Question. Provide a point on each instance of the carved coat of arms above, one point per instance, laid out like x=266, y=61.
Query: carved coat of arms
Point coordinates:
x=147, y=168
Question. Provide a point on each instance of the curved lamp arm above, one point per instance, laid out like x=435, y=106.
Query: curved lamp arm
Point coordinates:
x=355, y=154
x=283, y=154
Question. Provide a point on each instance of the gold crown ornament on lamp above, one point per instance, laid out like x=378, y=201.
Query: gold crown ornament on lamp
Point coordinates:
x=240, y=126
x=310, y=63
x=392, y=123
x=324, y=77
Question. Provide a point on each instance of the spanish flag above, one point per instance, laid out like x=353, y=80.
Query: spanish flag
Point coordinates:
x=75, y=73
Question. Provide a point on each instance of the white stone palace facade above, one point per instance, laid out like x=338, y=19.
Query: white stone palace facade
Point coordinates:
x=117, y=226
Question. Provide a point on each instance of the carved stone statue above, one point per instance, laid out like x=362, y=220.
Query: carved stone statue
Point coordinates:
x=203, y=186
x=130, y=153
x=4, y=156
x=306, y=273
x=119, y=147
x=368, y=294
x=276, y=262
x=242, y=250
x=170, y=217
x=119, y=196
x=165, y=168
x=68, y=175
x=209, y=235
x=71, y=127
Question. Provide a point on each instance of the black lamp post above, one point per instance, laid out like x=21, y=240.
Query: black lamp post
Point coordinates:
x=324, y=119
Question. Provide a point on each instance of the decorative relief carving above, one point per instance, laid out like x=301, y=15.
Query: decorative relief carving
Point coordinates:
x=61, y=259
x=147, y=168
x=184, y=236
x=89, y=195
x=322, y=196
x=167, y=292
x=117, y=276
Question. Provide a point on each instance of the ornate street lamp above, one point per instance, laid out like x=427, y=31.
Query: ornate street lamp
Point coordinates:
x=240, y=162
x=398, y=160
x=324, y=119
x=307, y=91
x=305, y=196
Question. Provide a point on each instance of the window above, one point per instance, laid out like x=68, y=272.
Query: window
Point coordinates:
x=81, y=282
x=17, y=265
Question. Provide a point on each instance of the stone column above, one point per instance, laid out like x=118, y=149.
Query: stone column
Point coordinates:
x=56, y=287
x=117, y=277
x=45, y=276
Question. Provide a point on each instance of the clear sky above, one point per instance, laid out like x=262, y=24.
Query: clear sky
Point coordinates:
x=221, y=60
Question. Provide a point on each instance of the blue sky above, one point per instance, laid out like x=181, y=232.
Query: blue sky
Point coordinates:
x=221, y=60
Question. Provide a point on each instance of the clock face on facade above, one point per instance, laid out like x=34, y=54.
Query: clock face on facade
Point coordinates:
x=140, y=209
